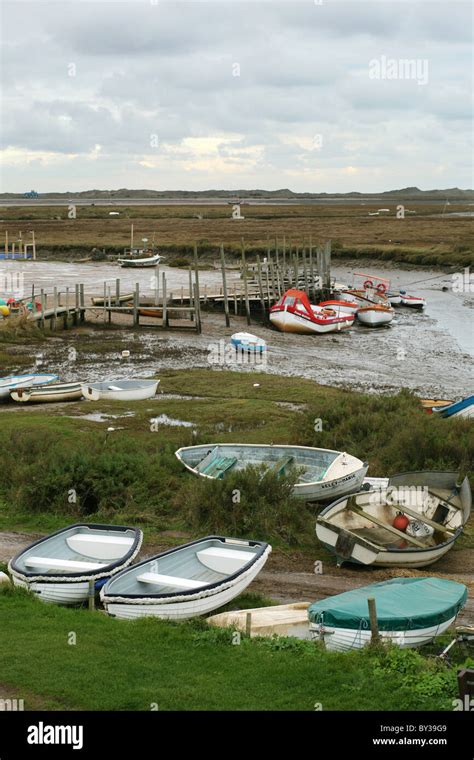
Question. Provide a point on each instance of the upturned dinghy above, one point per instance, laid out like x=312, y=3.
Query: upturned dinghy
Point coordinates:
x=120, y=390
x=48, y=393
x=60, y=567
x=410, y=612
x=322, y=473
x=245, y=341
x=190, y=580
x=7, y=384
x=462, y=408
x=411, y=520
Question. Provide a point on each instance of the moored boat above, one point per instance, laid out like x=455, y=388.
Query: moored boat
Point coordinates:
x=411, y=520
x=60, y=567
x=410, y=612
x=321, y=473
x=147, y=261
x=375, y=315
x=245, y=341
x=7, y=384
x=414, y=302
x=120, y=390
x=187, y=581
x=462, y=408
x=47, y=393
x=340, y=306
x=293, y=313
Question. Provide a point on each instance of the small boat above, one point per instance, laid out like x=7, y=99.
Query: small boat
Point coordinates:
x=394, y=298
x=8, y=384
x=375, y=315
x=322, y=473
x=99, y=300
x=59, y=568
x=147, y=261
x=187, y=581
x=47, y=393
x=414, y=302
x=120, y=390
x=462, y=408
x=293, y=313
x=245, y=341
x=410, y=613
x=156, y=312
x=429, y=404
x=275, y=620
x=340, y=306
x=411, y=520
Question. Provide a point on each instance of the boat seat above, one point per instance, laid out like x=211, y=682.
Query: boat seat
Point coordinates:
x=169, y=580
x=226, y=561
x=99, y=547
x=280, y=466
x=218, y=466
x=207, y=460
x=62, y=564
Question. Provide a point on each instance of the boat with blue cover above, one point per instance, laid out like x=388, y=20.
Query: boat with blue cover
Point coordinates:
x=13, y=382
x=462, y=408
x=410, y=612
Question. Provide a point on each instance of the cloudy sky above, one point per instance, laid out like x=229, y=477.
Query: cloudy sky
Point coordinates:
x=167, y=94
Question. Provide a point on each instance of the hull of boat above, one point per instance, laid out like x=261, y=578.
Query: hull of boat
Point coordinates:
x=116, y=394
x=345, y=639
x=296, y=323
x=22, y=381
x=182, y=610
x=152, y=261
x=70, y=392
x=248, y=342
x=375, y=317
x=57, y=593
x=462, y=408
x=413, y=302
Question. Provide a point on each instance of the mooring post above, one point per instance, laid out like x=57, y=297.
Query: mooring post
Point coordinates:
x=197, y=297
x=248, y=624
x=374, y=628
x=311, y=268
x=244, y=275
x=260, y=287
x=66, y=314
x=83, y=303
x=136, y=304
x=157, y=284
x=224, y=288
x=91, y=595
x=76, y=304
x=105, y=302
x=117, y=292
x=327, y=266
x=109, y=299
x=192, y=312
x=164, y=297
x=305, y=272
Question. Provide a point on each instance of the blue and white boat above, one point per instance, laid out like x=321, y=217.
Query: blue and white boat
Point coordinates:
x=13, y=382
x=462, y=408
x=247, y=342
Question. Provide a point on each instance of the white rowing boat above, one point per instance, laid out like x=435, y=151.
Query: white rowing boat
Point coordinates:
x=52, y=393
x=120, y=390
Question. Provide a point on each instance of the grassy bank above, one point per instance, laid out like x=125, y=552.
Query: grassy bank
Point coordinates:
x=58, y=468
x=427, y=238
x=152, y=664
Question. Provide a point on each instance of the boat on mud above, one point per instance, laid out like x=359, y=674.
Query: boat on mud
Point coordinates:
x=321, y=473
x=410, y=521
x=44, y=394
x=410, y=612
x=186, y=581
x=7, y=384
x=60, y=567
x=137, y=263
x=120, y=390
x=375, y=315
x=244, y=341
x=294, y=313
x=462, y=408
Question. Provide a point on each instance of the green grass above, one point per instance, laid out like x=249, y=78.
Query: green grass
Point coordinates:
x=122, y=665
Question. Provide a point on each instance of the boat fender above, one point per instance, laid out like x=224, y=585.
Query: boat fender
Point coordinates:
x=368, y=284
x=401, y=522
x=381, y=287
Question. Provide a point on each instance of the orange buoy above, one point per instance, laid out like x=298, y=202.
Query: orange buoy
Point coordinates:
x=401, y=522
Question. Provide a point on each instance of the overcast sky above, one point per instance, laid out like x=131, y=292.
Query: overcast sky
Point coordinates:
x=228, y=94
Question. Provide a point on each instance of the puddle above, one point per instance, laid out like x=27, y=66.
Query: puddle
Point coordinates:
x=100, y=416
x=163, y=419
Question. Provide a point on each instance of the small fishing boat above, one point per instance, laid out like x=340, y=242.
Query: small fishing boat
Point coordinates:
x=429, y=404
x=120, y=390
x=187, y=581
x=375, y=315
x=245, y=341
x=59, y=568
x=147, y=261
x=462, y=408
x=340, y=306
x=410, y=612
x=7, y=384
x=322, y=473
x=47, y=393
x=414, y=302
x=411, y=520
x=293, y=313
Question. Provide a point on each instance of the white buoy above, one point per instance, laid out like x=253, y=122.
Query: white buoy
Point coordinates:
x=4, y=578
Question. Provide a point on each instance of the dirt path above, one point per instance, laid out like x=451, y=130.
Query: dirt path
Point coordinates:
x=291, y=577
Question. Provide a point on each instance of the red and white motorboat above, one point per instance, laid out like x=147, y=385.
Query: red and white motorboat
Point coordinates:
x=293, y=313
x=415, y=302
x=375, y=315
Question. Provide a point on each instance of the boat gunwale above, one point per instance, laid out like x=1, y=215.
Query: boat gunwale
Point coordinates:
x=108, y=598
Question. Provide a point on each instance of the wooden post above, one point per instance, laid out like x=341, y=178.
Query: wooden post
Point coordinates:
x=20, y=242
x=327, y=266
x=136, y=304
x=117, y=292
x=248, y=624
x=43, y=306
x=374, y=628
x=157, y=284
x=164, y=297
x=246, y=291
x=109, y=299
x=305, y=272
x=260, y=287
x=76, y=305
x=105, y=302
x=6, y=243
x=131, y=238
x=66, y=314
x=224, y=287
x=274, y=290
x=91, y=595
x=295, y=268
x=277, y=262
x=55, y=308
x=83, y=303
x=197, y=297
x=284, y=260
x=191, y=292
x=311, y=268
x=33, y=240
